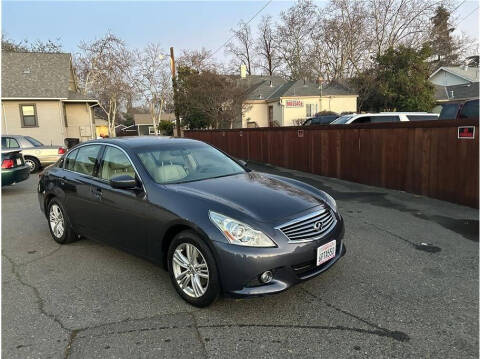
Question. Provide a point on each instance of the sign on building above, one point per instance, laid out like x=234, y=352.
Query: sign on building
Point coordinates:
x=294, y=103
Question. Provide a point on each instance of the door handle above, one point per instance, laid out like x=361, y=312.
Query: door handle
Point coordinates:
x=97, y=192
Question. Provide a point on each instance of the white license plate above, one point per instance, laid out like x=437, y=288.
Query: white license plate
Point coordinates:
x=326, y=252
x=19, y=161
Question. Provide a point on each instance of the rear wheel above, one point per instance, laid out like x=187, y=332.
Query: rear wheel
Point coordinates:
x=58, y=223
x=33, y=163
x=193, y=270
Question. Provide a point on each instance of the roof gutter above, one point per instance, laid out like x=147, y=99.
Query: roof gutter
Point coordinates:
x=34, y=98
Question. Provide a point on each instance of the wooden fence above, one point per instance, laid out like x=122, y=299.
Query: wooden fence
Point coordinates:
x=419, y=157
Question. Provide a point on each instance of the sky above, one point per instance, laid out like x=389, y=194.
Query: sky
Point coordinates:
x=182, y=24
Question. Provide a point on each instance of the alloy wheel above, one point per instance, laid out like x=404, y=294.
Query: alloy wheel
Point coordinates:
x=190, y=270
x=57, y=222
x=30, y=163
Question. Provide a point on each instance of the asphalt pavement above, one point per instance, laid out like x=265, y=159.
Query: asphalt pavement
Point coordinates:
x=407, y=287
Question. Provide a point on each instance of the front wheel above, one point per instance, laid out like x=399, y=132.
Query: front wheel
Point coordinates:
x=58, y=223
x=193, y=270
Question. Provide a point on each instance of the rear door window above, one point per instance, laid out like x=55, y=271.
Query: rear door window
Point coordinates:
x=449, y=111
x=380, y=119
x=86, y=159
x=70, y=160
x=422, y=117
x=470, y=110
x=9, y=142
x=363, y=119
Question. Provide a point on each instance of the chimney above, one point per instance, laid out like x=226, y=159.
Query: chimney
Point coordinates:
x=451, y=94
x=243, y=71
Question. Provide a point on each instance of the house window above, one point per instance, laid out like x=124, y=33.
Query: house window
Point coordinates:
x=28, y=114
x=309, y=110
x=65, y=115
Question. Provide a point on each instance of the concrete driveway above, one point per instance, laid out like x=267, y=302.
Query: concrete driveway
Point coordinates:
x=408, y=287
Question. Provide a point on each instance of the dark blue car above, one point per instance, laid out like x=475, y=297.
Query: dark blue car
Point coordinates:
x=213, y=223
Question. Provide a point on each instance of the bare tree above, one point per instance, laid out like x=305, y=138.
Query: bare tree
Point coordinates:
x=49, y=46
x=242, y=48
x=102, y=67
x=265, y=46
x=342, y=44
x=198, y=60
x=294, y=39
x=151, y=78
x=395, y=22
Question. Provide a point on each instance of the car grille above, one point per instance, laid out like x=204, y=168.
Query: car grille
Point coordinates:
x=313, y=226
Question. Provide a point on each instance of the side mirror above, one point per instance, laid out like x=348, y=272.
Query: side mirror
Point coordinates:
x=123, y=182
x=244, y=165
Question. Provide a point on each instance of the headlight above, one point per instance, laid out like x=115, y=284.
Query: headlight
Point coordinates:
x=330, y=201
x=239, y=233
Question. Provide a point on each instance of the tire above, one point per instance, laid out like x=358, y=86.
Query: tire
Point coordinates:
x=199, y=256
x=58, y=223
x=33, y=163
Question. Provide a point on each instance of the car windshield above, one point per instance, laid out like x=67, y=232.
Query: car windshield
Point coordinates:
x=187, y=163
x=33, y=141
x=342, y=120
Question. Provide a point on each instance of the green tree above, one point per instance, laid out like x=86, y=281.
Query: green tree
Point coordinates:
x=397, y=82
x=166, y=127
x=207, y=99
x=444, y=47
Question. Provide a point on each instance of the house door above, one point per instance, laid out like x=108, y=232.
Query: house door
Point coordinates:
x=270, y=116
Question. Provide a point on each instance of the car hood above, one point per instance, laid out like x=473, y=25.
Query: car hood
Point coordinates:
x=254, y=194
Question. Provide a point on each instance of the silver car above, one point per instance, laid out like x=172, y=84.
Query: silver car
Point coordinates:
x=36, y=154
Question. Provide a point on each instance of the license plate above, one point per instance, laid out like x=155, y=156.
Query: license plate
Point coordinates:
x=326, y=252
x=19, y=161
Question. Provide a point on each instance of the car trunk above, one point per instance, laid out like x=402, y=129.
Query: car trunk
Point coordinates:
x=15, y=156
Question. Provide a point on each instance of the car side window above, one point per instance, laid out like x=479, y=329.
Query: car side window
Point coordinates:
x=86, y=159
x=470, y=110
x=9, y=142
x=115, y=163
x=70, y=160
x=422, y=117
x=364, y=119
x=380, y=119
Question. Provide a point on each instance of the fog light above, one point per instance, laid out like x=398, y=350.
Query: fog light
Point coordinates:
x=266, y=277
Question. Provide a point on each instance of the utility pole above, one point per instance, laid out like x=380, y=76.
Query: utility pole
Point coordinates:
x=174, y=84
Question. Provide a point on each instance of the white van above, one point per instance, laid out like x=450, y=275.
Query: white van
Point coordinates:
x=384, y=117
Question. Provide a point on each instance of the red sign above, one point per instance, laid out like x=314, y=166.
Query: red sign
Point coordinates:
x=294, y=103
x=466, y=132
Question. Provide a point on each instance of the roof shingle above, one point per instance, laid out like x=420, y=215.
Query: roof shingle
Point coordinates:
x=35, y=75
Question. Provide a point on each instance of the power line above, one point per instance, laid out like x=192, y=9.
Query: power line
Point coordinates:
x=458, y=23
x=463, y=2
x=248, y=22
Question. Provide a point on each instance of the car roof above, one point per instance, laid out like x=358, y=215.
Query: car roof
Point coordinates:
x=134, y=142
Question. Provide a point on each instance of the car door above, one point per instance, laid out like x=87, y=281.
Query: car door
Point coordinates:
x=123, y=211
x=76, y=183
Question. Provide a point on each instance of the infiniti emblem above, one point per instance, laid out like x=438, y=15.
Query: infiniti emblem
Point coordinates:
x=317, y=226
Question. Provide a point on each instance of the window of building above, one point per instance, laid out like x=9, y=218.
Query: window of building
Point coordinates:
x=65, y=115
x=28, y=115
x=309, y=110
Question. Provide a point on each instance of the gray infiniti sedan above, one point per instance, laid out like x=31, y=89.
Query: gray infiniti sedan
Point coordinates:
x=213, y=223
x=36, y=154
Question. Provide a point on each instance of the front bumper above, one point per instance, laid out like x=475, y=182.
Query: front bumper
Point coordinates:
x=14, y=175
x=291, y=263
